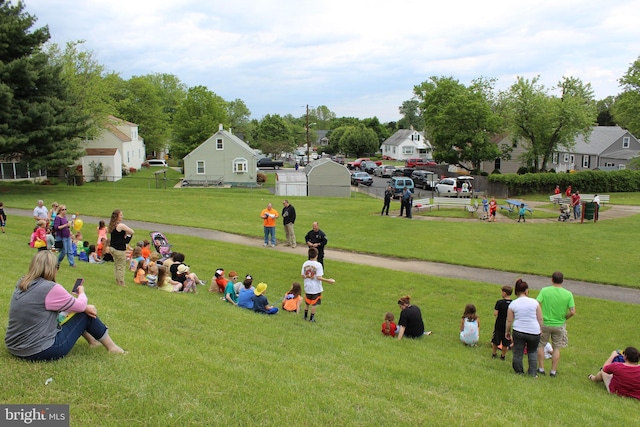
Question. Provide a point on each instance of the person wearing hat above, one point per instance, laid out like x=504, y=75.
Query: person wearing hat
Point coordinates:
x=189, y=283
x=218, y=282
x=260, y=302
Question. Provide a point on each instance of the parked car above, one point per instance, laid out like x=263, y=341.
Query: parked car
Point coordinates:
x=266, y=162
x=384, y=171
x=415, y=162
x=424, y=179
x=454, y=187
x=339, y=159
x=361, y=178
x=398, y=184
x=356, y=163
x=368, y=166
x=403, y=171
x=157, y=162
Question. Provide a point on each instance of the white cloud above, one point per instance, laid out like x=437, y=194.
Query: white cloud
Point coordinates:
x=360, y=58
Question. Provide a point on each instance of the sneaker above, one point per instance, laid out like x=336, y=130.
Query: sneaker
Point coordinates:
x=427, y=332
x=503, y=358
x=553, y=374
x=202, y=282
x=541, y=372
x=265, y=245
x=273, y=246
x=493, y=356
x=313, y=320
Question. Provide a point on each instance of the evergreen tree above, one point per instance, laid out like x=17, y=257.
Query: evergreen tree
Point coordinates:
x=39, y=120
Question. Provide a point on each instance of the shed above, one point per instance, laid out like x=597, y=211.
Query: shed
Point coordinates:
x=291, y=183
x=327, y=178
x=111, y=161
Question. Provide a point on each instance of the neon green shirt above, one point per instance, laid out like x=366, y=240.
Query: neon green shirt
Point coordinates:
x=555, y=303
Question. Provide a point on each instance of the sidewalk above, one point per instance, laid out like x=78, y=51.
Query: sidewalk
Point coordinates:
x=500, y=278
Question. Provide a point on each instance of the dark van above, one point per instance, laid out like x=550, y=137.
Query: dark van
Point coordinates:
x=398, y=183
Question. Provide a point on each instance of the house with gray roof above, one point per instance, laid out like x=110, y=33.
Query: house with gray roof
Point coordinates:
x=222, y=158
x=406, y=144
x=605, y=148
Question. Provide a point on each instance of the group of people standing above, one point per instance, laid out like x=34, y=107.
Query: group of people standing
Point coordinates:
x=315, y=238
x=406, y=201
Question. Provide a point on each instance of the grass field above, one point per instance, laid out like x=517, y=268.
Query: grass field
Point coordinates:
x=194, y=360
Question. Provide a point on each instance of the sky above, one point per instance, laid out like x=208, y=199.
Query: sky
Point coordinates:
x=359, y=58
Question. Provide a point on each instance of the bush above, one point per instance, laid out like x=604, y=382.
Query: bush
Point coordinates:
x=261, y=178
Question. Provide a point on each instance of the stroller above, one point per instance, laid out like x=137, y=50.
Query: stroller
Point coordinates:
x=161, y=244
x=565, y=213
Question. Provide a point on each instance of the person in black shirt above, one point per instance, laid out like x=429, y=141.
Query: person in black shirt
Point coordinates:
x=410, y=323
x=317, y=239
x=288, y=219
x=387, y=201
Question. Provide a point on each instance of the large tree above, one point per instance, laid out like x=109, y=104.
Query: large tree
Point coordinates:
x=274, y=135
x=196, y=119
x=547, y=122
x=460, y=120
x=626, y=107
x=412, y=116
x=40, y=121
x=356, y=140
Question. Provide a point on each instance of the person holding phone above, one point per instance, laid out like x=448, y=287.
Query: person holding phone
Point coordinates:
x=120, y=235
x=35, y=331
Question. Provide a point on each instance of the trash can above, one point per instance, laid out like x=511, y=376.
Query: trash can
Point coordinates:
x=590, y=211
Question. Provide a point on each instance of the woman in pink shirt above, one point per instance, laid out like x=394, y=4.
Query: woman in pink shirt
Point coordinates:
x=621, y=378
x=45, y=320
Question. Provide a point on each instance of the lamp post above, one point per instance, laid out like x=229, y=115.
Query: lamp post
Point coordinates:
x=307, y=129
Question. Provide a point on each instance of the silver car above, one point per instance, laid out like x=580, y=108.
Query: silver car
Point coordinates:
x=384, y=171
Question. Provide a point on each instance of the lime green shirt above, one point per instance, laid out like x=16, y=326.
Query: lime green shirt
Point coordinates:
x=555, y=303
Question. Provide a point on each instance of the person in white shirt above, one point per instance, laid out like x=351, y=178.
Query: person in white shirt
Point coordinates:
x=312, y=272
x=525, y=316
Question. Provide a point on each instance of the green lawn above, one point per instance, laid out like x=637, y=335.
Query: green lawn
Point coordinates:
x=193, y=360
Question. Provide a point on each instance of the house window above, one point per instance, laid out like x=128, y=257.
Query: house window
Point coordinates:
x=608, y=165
x=497, y=164
x=554, y=158
x=572, y=159
x=585, y=161
x=566, y=157
x=621, y=167
x=240, y=165
x=200, y=167
x=219, y=145
x=407, y=150
x=394, y=150
x=625, y=142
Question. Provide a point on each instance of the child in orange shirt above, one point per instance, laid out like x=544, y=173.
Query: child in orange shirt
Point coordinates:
x=218, y=282
x=292, y=299
x=140, y=276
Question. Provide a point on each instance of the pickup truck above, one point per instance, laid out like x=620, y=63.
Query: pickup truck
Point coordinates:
x=415, y=163
x=266, y=162
x=356, y=163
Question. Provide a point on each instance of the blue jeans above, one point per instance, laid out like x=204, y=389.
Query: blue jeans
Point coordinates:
x=519, y=340
x=66, y=250
x=269, y=231
x=68, y=334
x=576, y=212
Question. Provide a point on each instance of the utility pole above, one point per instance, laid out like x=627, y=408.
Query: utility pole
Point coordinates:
x=307, y=133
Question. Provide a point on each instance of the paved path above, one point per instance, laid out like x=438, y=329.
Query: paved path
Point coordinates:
x=593, y=290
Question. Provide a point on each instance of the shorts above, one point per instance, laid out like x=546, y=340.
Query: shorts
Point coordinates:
x=499, y=338
x=558, y=335
x=313, y=299
x=3, y=222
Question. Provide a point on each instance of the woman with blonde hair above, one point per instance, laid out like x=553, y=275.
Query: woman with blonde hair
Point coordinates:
x=120, y=236
x=45, y=321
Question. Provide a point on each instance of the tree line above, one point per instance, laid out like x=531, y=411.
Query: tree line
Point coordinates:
x=54, y=97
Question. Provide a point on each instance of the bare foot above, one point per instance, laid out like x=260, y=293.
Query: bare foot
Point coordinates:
x=117, y=350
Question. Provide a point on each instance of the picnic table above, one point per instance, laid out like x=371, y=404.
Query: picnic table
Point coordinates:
x=514, y=206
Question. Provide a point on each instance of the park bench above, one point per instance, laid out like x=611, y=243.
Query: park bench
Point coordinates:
x=449, y=202
x=604, y=198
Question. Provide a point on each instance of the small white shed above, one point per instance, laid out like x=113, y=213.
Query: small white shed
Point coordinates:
x=291, y=183
x=327, y=178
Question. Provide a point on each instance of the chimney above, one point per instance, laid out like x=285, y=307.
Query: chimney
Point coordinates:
x=220, y=127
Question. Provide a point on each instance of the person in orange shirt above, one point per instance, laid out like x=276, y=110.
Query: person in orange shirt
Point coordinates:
x=146, y=249
x=269, y=216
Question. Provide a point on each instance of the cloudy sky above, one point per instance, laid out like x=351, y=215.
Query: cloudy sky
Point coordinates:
x=360, y=58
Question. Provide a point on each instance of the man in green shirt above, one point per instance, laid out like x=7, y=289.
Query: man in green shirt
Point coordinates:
x=557, y=306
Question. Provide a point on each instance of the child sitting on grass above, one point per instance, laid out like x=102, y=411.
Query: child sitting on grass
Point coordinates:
x=389, y=328
x=218, y=282
x=292, y=299
x=164, y=281
x=470, y=326
x=93, y=255
x=260, y=301
x=152, y=269
x=140, y=276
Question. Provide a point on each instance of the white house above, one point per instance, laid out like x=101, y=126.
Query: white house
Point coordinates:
x=223, y=158
x=406, y=144
x=123, y=136
x=110, y=159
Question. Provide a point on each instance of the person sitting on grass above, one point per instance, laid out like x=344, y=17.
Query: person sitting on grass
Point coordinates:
x=230, y=294
x=470, y=326
x=389, y=328
x=93, y=255
x=260, y=301
x=152, y=269
x=621, y=378
x=36, y=331
x=245, y=297
x=140, y=276
x=165, y=283
x=292, y=299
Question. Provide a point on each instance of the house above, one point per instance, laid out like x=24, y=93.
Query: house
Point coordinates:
x=108, y=160
x=123, y=136
x=222, y=158
x=606, y=148
x=327, y=178
x=405, y=144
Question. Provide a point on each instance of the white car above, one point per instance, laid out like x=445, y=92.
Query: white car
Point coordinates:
x=384, y=171
x=461, y=186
